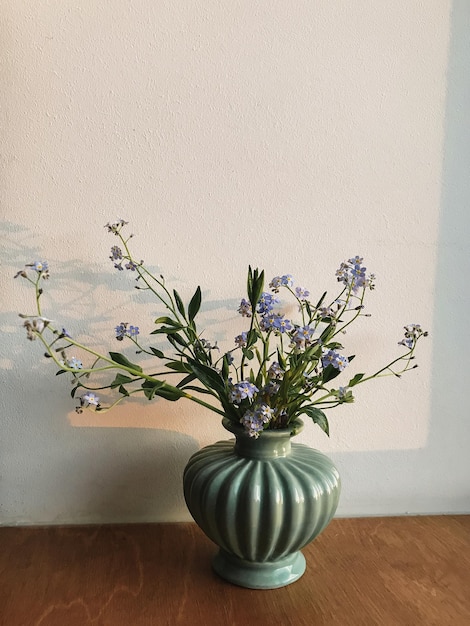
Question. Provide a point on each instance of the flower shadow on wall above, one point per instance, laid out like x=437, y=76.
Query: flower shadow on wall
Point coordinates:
x=91, y=300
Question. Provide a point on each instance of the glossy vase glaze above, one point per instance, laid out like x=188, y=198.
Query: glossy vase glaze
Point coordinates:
x=261, y=500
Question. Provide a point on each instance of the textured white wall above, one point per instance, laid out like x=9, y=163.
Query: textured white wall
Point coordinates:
x=285, y=135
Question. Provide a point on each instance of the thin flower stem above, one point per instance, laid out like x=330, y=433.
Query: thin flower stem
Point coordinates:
x=170, y=304
x=252, y=323
x=341, y=329
x=387, y=367
x=140, y=270
x=38, y=294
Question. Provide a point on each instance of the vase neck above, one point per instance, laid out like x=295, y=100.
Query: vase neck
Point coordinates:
x=266, y=446
x=271, y=444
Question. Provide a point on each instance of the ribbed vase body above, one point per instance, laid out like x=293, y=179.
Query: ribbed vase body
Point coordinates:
x=261, y=500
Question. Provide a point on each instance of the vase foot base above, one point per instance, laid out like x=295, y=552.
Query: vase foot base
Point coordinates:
x=269, y=575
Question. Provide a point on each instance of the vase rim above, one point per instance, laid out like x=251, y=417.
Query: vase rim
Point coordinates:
x=294, y=428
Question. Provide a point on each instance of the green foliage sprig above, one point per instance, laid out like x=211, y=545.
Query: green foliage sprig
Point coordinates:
x=277, y=370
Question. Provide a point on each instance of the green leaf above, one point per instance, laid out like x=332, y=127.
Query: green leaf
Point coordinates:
x=74, y=390
x=195, y=304
x=329, y=373
x=157, y=353
x=251, y=338
x=255, y=284
x=179, y=303
x=248, y=353
x=150, y=387
x=225, y=366
x=327, y=334
x=119, y=358
x=169, y=394
x=320, y=302
x=120, y=380
x=58, y=373
x=334, y=345
x=186, y=380
x=317, y=416
x=167, y=320
x=355, y=380
x=167, y=330
x=176, y=339
x=249, y=282
x=208, y=377
x=123, y=390
x=281, y=360
x=178, y=366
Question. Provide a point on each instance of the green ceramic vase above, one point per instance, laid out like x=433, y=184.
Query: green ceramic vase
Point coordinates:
x=261, y=501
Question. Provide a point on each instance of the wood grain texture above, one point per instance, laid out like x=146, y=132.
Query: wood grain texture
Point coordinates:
x=372, y=571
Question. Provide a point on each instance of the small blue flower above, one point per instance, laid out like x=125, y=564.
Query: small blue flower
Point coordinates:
x=255, y=421
x=275, y=284
x=407, y=342
x=303, y=336
x=115, y=227
x=275, y=371
x=412, y=333
x=264, y=412
x=341, y=362
x=40, y=266
x=331, y=357
x=304, y=333
x=282, y=325
x=124, y=330
x=413, y=330
x=271, y=388
x=64, y=333
x=266, y=303
x=345, y=393
x=74, y=363
x=121, y=331
x=301, y=293
x=116, y=253
x=241, y=340
x=89, y=399
x=326, y=311
x=130, y=265
x=207, y=346
x=281, y=281
x=241, y=391
x=245, y=308
x=269, y=322
x=353, y=275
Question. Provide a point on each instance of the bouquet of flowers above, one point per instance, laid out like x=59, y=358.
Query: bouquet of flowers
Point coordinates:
x=277, y=370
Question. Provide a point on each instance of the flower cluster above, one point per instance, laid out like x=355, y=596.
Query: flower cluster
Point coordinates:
x=277, y=369
x=242, y=391
x=126, y=330
x=353, y=275
x=34, y=326
x=333, y=358
x=412, y=333
x=254, y=422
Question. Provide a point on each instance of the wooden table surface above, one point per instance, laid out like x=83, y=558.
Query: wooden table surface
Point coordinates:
x=371, y=571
